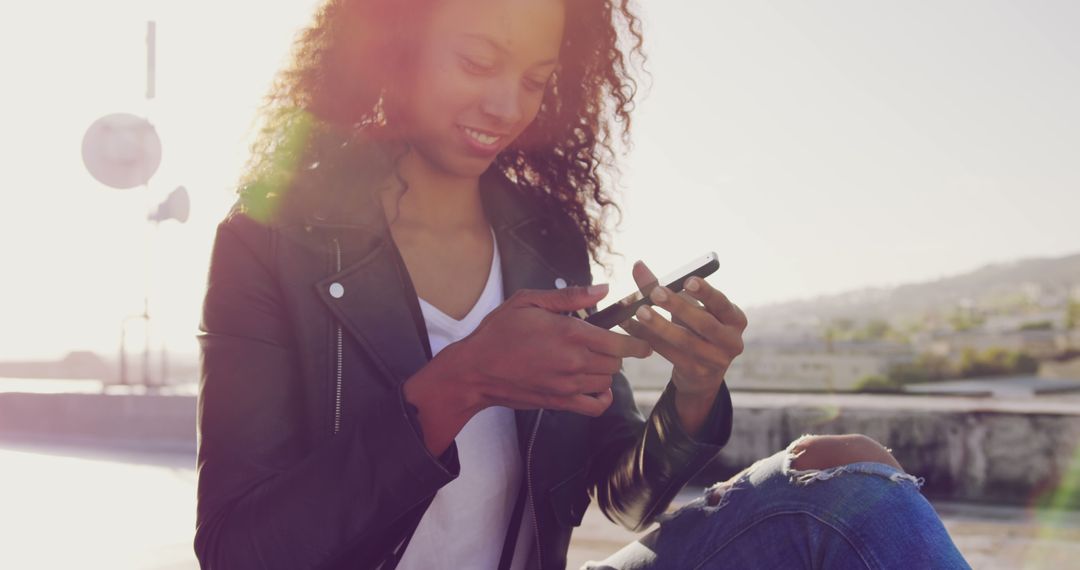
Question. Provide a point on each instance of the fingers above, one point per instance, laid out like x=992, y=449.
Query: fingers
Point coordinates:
x=590, y=404
x=716, y=303
x=676, y=343
x=607, y=342
x=644, y=277
x=539, y=388
x=672, y=353
x=562, y=300
x=585, y=361
x=686, y=313
x=585, y=384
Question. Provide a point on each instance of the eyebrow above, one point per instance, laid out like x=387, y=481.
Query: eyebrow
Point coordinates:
x=488, y=40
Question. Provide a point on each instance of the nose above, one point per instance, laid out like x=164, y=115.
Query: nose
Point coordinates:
x=502, y=101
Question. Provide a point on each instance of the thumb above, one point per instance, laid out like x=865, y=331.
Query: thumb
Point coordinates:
x=567, y=298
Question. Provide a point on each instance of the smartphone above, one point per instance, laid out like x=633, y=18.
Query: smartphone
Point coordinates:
x=626, y=307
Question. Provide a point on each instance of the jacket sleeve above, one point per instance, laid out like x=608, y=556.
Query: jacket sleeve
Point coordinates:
x=271, y=495
x=640, y=465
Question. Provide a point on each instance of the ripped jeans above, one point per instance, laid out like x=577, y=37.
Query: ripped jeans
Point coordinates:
x=860, y=515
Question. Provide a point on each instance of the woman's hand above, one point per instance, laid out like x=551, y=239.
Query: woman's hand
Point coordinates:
x=527, y=354
x=701, y=340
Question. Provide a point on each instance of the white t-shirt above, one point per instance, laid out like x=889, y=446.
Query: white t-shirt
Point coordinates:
x=465, y=526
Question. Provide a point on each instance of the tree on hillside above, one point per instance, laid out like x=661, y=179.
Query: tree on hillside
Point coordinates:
x=965, y=319
x=926, y=368
x=1072, y=315
x=996, y=362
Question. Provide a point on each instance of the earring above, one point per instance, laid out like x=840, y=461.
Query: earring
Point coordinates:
x=379, y=112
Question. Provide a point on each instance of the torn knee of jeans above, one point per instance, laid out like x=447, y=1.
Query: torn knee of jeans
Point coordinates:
x=821, y=452
x=713, y=498
x=808, y=476
x=716, y=496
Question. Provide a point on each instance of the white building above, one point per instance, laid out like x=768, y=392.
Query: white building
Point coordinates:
x=839, y=366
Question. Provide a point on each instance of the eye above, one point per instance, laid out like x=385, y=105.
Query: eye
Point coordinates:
x=534, y=85
x=473, y=66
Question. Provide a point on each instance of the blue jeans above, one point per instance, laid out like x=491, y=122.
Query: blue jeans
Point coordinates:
x=860, y=515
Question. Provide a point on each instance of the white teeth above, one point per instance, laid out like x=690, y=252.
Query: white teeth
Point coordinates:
x=480, y=137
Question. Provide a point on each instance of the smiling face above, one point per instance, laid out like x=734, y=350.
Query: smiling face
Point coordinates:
x=481, y=70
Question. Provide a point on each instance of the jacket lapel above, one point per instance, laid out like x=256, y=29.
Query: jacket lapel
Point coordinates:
x=375, y=306
x=535, y=250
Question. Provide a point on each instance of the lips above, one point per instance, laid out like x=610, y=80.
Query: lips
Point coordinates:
x=482, y=142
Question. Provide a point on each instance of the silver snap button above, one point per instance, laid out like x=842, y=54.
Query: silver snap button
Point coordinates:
x=560, y=283
x=337, y=290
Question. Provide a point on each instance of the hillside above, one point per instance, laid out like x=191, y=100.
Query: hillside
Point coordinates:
x=1031, y=282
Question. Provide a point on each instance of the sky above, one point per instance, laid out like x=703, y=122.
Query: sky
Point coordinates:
x=817, y=147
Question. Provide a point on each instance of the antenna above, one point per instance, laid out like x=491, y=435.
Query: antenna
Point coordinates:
x=151, y=58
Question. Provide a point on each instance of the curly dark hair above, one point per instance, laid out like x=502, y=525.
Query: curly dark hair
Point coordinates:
x=341, y=78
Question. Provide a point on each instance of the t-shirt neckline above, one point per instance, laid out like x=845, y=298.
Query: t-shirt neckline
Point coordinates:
x=431, y=312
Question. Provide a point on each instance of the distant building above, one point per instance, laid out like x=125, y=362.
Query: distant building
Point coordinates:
x=1037, y=343
x=1007, y=323
x=652, y=373
x=79, y=364
x=837, y=366
x=1060, y=369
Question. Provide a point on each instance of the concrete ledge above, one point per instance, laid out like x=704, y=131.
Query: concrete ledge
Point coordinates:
x=1022, y=452
x=149, y=422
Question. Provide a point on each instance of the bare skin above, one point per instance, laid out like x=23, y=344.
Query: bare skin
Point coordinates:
x=448, y=261
x=825, y=451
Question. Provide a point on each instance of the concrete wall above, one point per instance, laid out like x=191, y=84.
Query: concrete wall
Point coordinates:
x=148, y=422
x=1009, y=455
x=1061, y=370
x=968, y=449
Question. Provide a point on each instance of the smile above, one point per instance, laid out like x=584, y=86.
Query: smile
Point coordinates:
x=482, y=137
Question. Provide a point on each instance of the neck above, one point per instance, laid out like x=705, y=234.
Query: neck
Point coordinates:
x=435, y=200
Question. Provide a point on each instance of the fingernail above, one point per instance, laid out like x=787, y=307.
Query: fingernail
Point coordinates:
x=597, y=289
x=643, y=313
x=658, y=295
x=692, y=284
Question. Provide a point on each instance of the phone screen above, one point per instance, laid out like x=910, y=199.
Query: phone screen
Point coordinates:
x=627, y=306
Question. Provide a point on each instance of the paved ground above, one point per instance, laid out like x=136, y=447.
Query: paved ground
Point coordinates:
x=77, y=507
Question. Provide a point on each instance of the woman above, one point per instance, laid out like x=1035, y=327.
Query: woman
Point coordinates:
x=390, y=376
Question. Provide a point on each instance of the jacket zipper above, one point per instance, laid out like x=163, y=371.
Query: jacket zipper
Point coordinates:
x=338, y=366
x=529, y=487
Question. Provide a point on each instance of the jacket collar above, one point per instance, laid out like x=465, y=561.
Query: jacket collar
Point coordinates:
x=379, y=308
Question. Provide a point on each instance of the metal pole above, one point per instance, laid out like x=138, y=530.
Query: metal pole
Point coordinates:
x=151, y=59
x=146, y=348
x=123, y=358
x=163, y=381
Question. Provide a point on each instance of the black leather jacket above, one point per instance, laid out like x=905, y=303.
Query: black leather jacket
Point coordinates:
x=307, y=457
